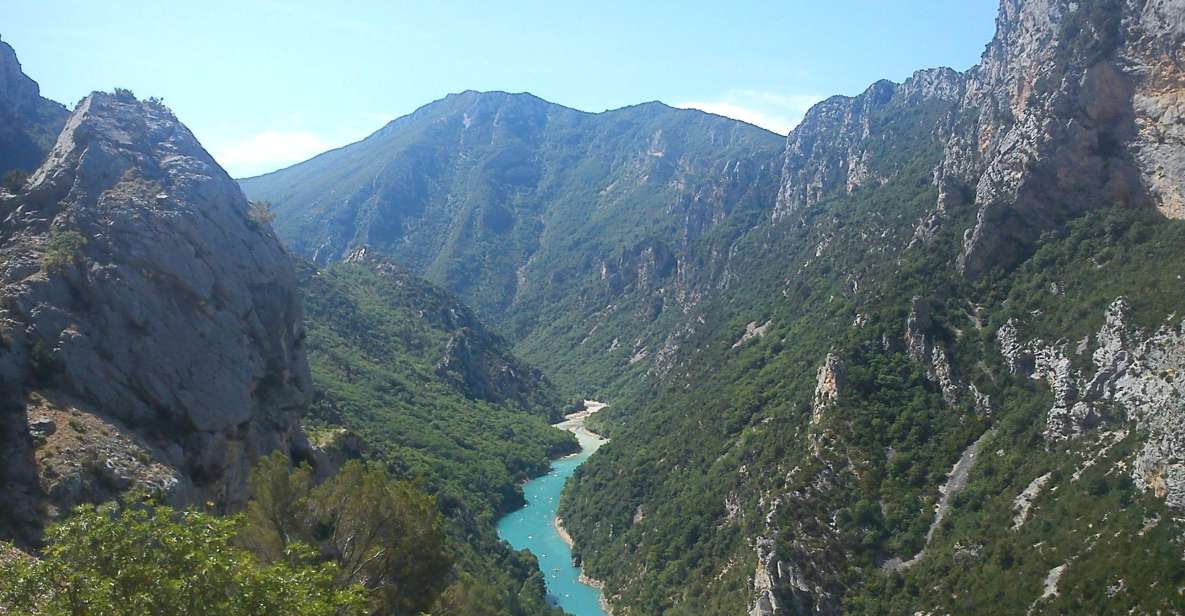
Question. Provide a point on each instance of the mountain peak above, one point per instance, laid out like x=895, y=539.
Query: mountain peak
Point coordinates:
x=168, y=313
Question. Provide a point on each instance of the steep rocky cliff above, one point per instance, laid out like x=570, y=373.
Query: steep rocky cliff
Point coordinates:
x=28, y=122
x=1075, y=106
x=151, y=330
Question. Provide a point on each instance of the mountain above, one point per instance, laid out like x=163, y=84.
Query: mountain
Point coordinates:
x=425, y=388
x=925, y=356
x=29, y=123
x=546, y=220
x=152, y=330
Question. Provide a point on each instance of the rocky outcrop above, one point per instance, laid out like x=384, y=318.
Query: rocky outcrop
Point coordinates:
x=1133, y=373
x=842, y=142
x=135, y=289
x=922, y=345
x=1024, y=501
x=28, y=122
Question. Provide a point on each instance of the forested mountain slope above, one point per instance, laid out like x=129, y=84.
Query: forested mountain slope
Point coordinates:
x=546, y=220
x=967, y=393
x=418, y=383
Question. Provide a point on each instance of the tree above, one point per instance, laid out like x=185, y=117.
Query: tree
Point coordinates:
x=261, y=212
x=148, y=560
x=278, y=511
x=384, y=535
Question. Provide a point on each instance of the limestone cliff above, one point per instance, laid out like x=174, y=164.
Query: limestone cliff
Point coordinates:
x=1075, y=106
x=151, y=329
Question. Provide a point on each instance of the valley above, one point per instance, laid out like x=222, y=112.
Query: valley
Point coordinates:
x=922, y=354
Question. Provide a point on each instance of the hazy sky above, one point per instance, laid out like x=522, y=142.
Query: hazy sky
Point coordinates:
x=266, y=83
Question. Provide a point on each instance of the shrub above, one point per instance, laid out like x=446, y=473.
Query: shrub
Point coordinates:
x=261, y=212
x=141, y=560
x=62, y=249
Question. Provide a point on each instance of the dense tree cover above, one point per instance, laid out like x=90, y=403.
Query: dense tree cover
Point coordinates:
x=376, y=338
x=150, y=560
x=358, y=543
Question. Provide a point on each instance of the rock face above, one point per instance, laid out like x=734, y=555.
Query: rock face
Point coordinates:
x=922, y=345
x=1136, y=373
x=1075, y=106
x=840, y=144
x=28, y=122
x=135, y=289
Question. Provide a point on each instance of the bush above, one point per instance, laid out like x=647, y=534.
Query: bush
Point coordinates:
x=261, y=212
x=145, y=560
x=62, y=249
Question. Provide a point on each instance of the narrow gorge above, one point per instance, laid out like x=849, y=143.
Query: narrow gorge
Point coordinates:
x=921, y=353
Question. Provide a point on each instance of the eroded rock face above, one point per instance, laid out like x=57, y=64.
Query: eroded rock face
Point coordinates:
x=839, y=145
x=133, y=281
x=1136, y=377
x=1075, y=106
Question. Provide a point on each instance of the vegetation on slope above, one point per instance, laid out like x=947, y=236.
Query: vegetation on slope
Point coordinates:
x=729, y=450
x=358, y=543
x=378, y=338
x=540, y=217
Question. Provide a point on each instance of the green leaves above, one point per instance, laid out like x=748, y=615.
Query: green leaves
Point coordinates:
x=383, y=535
x=136, y=559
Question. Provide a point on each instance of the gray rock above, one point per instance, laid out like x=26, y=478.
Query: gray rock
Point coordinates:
x=1136, y=373
x=176, y=314
x=28, y=122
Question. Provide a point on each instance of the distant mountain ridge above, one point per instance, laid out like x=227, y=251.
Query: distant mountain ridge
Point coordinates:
x=536, y=215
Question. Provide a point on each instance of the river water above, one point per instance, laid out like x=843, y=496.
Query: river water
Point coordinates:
x=533, y=527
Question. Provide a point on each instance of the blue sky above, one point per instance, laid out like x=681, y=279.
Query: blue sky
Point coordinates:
x=265, y=83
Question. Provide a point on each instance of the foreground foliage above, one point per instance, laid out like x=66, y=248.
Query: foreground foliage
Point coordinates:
x=382, y=535
x=137, y=560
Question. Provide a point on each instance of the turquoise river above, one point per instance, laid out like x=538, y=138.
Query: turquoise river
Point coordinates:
x=534, y=526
